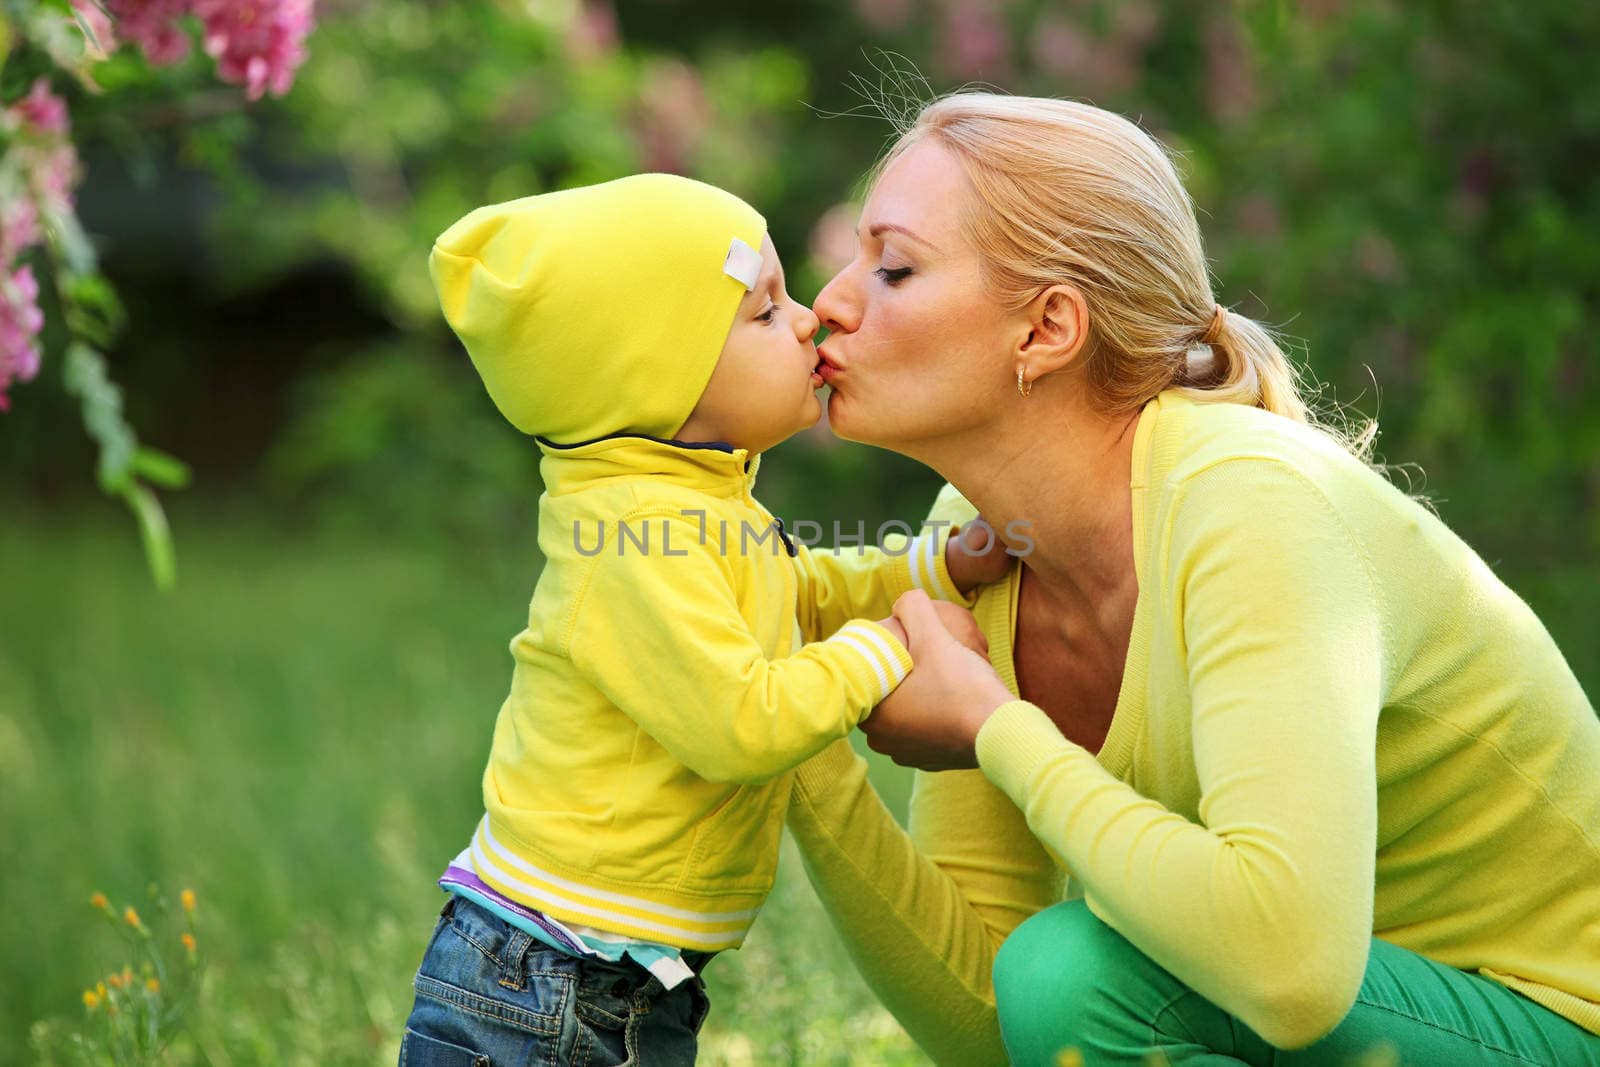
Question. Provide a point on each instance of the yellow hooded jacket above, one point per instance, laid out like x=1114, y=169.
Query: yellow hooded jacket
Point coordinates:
x=664, y=689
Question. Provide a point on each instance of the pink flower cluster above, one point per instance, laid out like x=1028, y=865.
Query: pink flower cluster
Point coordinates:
x=258, y=44
x=44, y=171
x=20, y=322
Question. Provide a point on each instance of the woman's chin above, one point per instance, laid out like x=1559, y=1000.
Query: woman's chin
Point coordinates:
x=843, y=417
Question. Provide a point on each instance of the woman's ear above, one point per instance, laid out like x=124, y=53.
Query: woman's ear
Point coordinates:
x=1058, y=326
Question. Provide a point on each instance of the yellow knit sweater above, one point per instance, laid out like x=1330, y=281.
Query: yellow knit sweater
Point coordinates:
x=1335, y=723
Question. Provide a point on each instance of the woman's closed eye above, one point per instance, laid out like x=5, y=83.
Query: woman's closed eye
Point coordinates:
x=893, y=276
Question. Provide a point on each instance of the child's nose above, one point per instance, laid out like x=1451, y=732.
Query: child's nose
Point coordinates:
x=806, y=323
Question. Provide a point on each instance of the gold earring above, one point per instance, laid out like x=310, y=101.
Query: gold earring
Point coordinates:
x=1023, y=386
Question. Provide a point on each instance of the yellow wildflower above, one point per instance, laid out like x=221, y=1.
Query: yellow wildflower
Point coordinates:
x=152, y=984
x=91, y=999
x=187, y=897
x=115, y=980
x=99, y=902
x=100, y=988
x=131, y=917
x=188, y=943
x=1069, y=1057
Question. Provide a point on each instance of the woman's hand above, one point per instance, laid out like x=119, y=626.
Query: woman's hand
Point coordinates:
x=932, y=720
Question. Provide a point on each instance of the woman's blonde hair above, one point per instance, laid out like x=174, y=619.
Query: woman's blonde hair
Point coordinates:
x=1073, y=194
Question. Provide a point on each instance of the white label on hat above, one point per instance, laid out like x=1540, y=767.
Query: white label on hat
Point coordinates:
x=743, y=264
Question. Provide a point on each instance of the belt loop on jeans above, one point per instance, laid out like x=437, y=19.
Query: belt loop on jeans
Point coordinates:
x=512, y=965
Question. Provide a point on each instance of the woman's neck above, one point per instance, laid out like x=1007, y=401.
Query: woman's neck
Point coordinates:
x=1058, y=474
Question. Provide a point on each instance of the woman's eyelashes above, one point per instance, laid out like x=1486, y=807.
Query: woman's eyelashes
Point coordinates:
x=893, y=276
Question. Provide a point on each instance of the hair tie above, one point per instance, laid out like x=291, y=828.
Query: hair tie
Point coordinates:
x=1210, y=336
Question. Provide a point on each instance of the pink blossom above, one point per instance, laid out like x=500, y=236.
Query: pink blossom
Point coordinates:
x=49, y=162
x=20, y=322
x=593, y=33
x=1085, y=63
x=257, y=43
x=833, y=238
x=1135, y=21
x=97, y=26
x=153, y=26
x=974, y=40
x=43, y=110
x=885, y=15
x=1060, y=47
x=19, y=227
x=55, y=174
x=1377, y=258
x=1230, y=71
x=674, y=115
x=1259, y=216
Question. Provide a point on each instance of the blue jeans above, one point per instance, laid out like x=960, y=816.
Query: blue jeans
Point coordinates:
x=489, y=995
x=1064, y=979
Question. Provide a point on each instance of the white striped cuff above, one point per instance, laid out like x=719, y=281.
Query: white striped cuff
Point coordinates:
x=929, y=573
x=887, y=658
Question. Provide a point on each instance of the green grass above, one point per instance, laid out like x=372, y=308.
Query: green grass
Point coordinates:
x=297, y=732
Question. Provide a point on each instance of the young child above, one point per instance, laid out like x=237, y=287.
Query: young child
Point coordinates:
x=683, y=653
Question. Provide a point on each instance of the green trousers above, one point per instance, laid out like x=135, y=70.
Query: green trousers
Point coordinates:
x=1073, y=991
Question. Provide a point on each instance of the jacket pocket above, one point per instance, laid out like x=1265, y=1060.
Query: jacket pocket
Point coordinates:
x=736, y=844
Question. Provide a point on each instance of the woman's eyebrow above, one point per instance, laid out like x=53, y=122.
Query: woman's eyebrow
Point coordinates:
x=881, y=227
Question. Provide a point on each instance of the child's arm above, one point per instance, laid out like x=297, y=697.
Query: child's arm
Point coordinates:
x=945, y=561
x=662, y=637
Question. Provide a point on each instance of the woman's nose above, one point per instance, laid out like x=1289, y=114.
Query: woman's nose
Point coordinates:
x=835, y=307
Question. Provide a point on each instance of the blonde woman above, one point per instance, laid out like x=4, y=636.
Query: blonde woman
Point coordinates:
x=1267, y=759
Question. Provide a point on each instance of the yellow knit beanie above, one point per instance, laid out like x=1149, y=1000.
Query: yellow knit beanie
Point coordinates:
x=598, y=310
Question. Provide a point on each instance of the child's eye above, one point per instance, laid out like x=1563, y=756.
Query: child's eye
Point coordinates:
x=766, y=316
x=893, y=277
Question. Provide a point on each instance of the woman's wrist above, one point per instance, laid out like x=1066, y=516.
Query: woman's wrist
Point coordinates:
x=983, y=709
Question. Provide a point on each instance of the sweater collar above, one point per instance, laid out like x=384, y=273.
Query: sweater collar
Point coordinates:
x=715, y=467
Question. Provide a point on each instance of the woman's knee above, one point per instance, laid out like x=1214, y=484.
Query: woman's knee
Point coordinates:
x=1063, y=944
x=1050, y=977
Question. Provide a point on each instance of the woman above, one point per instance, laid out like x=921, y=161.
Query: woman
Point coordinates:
x=1308, y=776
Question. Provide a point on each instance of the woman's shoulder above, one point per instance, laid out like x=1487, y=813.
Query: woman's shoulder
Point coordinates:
x=1195, y=438
x=1233, y=467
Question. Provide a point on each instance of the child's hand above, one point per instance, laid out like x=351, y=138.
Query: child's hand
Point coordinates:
x=932, y=720
x=956, y=619
x=962, y=626
x=975, y=556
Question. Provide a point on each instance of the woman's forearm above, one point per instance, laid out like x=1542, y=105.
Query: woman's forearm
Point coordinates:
x=922, y=928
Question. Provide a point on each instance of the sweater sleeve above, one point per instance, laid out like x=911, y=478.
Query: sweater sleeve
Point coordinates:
x=922, y=915
x=860, y=581
x=1265, y=906
x=662, y=637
